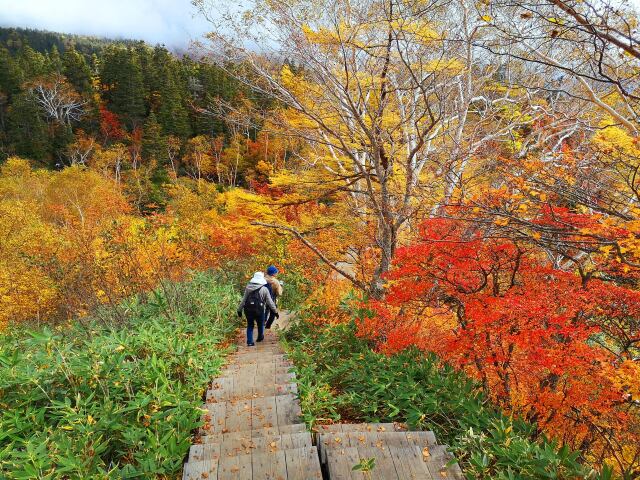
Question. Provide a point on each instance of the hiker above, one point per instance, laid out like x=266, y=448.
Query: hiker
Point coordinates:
x=275, y=290
x=254, y=302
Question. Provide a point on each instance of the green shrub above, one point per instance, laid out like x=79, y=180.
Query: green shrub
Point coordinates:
x=341, y=379
x=113, y=402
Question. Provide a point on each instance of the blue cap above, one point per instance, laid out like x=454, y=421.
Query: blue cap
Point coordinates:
x=272, y=270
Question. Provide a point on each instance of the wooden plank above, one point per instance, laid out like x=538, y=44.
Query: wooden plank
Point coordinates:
x=235, y=468
x=303, y=464
x=264, y=444
x=288, y=409
x=409, y=464
x=340, y=463
x=201, y=452
x=293, y=441
x=260, y=371
x=436, y=463
x=331, y=441
x=275, y=430
x=384, y=467
x=234, y=446
x=266, y=389
x=419, y=438
x=269, y=466
x=374, y=439
x=263, y=371
x=200, y=470
x=361, y=427
x=264, y=412
x=238, y=416
x=215, y=418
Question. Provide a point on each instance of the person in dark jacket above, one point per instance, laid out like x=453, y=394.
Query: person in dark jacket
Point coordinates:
x=254, y=303
x=275, y=289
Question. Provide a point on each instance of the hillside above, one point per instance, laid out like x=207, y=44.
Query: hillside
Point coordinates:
x=450, y=192
x=43, y=41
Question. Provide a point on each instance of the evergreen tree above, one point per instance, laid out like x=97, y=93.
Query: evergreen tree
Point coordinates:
x=123, y=84
x=62, y=136
x=27, y=132
x=11, y=75
x=77, y=71
x=154, y=143
x=144, y=57
x=173, y=114
x=54, y=61
x=209, y=83
x=32, y=63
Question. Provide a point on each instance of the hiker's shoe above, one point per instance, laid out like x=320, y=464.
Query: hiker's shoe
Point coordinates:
x=251, y=344
x=260, y=339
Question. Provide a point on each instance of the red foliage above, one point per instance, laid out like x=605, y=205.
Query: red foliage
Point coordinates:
x=110, y=125
x=525, y=330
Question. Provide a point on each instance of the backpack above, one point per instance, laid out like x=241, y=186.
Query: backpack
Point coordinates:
x=254, y=304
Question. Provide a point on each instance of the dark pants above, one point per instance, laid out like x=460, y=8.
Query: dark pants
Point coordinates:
x=270, y=318
x=251, y=319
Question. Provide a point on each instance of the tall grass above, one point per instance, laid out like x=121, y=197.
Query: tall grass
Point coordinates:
x=113, y=401
x=341, y=379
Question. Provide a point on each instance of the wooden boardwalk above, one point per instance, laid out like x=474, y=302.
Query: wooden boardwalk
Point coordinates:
x=399, y=454
x=252, y=431
x=252, y=428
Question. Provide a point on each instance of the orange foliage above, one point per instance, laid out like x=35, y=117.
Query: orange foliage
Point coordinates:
x=544, y=343
x=75, y=241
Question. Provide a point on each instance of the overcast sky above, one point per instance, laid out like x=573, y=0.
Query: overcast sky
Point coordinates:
x=172, y=22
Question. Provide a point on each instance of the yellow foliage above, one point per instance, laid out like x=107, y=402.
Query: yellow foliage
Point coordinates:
x=449, y=66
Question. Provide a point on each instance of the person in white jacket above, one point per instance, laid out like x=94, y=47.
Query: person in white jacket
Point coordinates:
x=254, y=303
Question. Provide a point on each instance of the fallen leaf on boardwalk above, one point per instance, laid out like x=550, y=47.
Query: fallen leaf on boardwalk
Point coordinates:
x=235, y=468
x=426, y=452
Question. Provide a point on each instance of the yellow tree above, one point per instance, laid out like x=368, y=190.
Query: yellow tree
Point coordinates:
x=199, y=159
x=382, y=92
x=28, y=290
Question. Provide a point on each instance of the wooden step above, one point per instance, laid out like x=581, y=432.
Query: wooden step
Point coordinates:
x=361, y=427
x=437, y=463
x=223, y=382
x=255, y=390
x=263, y=367
x=207, y=469
x=393, y=463
x=339, y=440
x=291, y=464
x=248, y=385
x=242, y=445
x=255, y=369
x=260, y=348
x=258, y=358
x=256, y=433
x=250, y=414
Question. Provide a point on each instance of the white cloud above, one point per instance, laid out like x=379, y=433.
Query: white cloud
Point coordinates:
x=172, y=22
